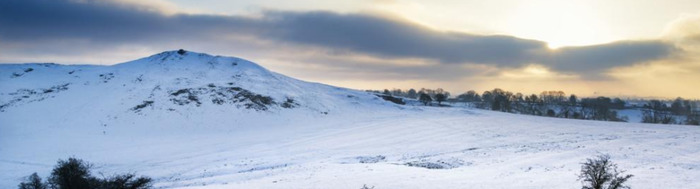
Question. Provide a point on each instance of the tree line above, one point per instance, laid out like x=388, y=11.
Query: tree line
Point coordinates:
x=681, y=111
x=425, y=96
x=559, y=104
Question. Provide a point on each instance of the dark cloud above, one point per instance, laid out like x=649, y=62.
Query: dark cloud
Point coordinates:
x=338, y=68
x=101, y=23
x=388, y=38
x=597, y=57
x=37, y=20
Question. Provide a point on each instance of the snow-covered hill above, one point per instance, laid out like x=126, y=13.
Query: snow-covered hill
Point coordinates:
x=192, y=120
x=166, y=84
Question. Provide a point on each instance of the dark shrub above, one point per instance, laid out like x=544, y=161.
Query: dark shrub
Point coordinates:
x=72, y=174
x=425, y=99
x=289, y=103
x=142, y=105
x=601, y=173
x=440, y=97
x=127, y=181
x=33, y=182
x=392, y=99
x=75, y=174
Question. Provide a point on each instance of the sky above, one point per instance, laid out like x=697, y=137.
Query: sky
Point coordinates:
x=642, y=48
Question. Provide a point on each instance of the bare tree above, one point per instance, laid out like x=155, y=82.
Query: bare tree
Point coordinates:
x=425, y=99
x=440, y=97
x=33, y=182
x=412, y=94
x=601, y=173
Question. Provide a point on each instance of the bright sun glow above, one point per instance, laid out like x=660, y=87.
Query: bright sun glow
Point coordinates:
x=558, y=23
x=571, y=23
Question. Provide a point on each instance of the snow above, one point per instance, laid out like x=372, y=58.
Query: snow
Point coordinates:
x=333, y=138
x=634, y=115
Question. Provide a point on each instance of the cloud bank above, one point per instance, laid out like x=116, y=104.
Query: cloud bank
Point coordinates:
x=101, y=24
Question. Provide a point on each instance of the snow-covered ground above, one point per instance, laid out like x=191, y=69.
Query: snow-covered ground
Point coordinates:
x=633, y=115
x=328, y=137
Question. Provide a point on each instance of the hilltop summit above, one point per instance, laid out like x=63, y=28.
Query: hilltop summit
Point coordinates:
x=171, y=82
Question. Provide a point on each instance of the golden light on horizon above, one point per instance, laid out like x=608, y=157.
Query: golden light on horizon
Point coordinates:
x=558, y=23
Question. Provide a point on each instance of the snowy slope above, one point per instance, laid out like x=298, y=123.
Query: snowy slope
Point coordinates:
x=252, y=136
x=165, y=88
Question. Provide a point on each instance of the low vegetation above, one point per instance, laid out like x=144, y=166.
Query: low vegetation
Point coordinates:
x=76, y=174
x=601, y=173
x=392, y=99
x=221, y=95
x=558, y=104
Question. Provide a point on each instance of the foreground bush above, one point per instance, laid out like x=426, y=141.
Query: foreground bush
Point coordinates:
x=75, y=174
x=601, y=173
x=72, y=174
x=127, y=181
x=33, y=182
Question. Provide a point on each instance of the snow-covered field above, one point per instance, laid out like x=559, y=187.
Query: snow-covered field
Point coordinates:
x=327, y=137
x=633, y=115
